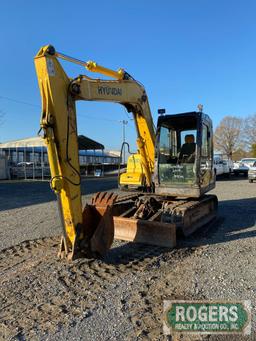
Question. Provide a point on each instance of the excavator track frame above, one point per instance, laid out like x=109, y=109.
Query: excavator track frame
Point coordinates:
x=161, y=228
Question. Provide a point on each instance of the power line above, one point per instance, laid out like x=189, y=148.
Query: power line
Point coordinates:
x=18, y=101
x=97, y=118
x=78, y=114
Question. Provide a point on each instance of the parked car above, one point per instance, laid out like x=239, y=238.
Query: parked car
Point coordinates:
x=243, y=166
x=24, y=164
x=252, y=173
x=98, y=172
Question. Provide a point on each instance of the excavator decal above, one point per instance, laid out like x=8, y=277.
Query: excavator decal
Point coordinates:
x=105, y=90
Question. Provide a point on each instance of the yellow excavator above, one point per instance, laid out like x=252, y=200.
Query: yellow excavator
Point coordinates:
x=177, y=163
x=134, y=176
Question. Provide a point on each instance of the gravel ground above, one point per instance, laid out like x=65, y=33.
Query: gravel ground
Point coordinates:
x=28, y=210
x=121, y=296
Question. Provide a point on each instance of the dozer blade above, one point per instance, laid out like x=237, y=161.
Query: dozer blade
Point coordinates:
x=98, y=224
x=146, y=232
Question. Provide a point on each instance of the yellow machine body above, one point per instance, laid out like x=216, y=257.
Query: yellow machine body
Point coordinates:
x=145, y=218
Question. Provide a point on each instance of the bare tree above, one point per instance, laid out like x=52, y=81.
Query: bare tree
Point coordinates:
x=228, y=135
x=253, y=150
x=249, y=133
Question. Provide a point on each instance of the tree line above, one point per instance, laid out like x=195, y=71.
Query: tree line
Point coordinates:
x=236, y=137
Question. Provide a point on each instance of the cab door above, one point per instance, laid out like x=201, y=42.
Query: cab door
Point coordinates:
x=206, y=155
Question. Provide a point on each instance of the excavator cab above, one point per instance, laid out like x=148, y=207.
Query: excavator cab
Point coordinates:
x=184, y=155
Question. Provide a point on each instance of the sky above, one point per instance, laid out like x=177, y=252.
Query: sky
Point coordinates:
x=185, y=52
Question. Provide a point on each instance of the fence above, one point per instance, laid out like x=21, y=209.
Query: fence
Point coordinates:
x=29, y=171
x=28, y=162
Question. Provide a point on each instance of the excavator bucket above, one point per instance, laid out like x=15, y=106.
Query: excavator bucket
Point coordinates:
x=98, y=223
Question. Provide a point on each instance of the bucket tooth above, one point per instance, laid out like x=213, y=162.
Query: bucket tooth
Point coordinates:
x=104, y=199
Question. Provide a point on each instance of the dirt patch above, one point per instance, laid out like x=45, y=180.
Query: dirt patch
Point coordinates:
x=41, y=294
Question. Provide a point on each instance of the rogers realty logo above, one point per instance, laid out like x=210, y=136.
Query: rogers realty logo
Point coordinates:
x=205, y=313
x=207, y=317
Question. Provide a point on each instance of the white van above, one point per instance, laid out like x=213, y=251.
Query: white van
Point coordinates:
x=228, y=167
x=222, y=166
x=218, y=165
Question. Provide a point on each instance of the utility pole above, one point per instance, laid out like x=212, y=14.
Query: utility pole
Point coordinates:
x=124, y=122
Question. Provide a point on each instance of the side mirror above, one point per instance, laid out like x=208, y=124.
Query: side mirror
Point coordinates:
x=161, y=111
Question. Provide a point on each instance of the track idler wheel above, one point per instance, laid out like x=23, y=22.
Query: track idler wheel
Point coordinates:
x=98, y=224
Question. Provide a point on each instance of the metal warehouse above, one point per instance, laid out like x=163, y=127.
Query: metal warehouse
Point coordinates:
x=27, y=158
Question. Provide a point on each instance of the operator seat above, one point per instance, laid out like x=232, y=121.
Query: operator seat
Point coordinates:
x=188, y=149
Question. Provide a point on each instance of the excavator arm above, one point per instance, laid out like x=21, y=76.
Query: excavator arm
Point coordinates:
x=58, y=121
x=132, y=95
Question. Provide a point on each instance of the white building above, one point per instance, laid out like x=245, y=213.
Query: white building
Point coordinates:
x=28, y=157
